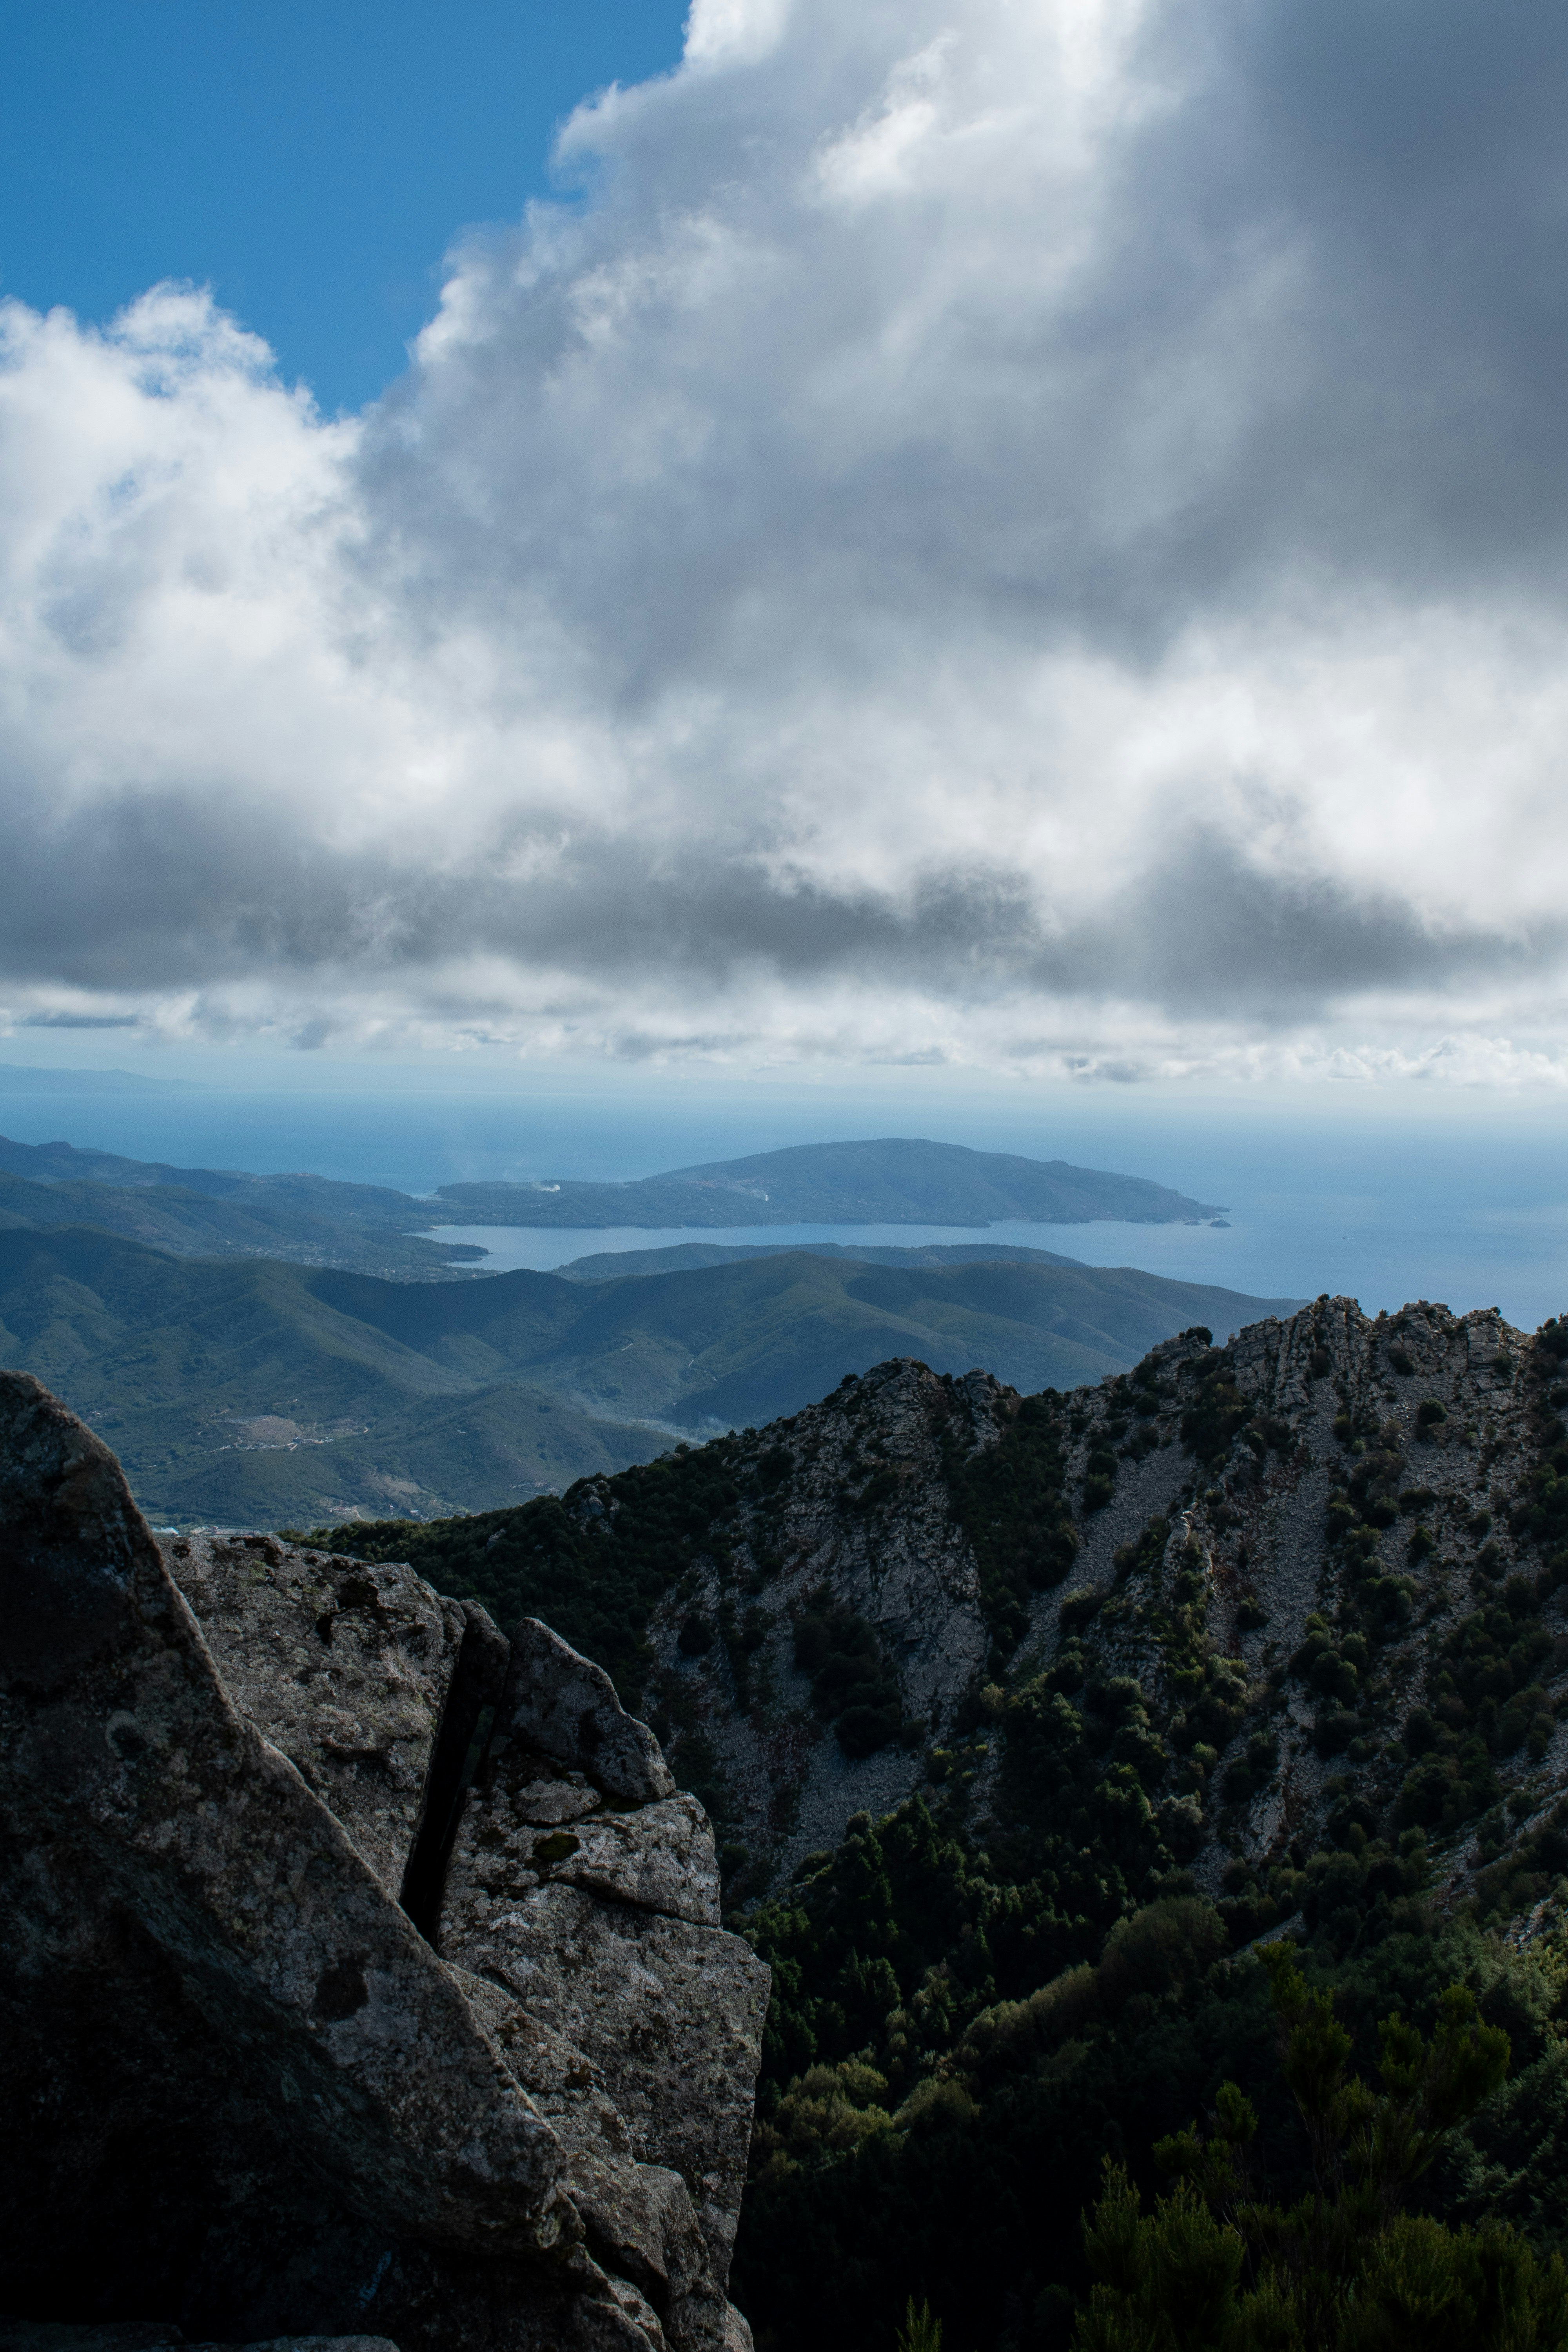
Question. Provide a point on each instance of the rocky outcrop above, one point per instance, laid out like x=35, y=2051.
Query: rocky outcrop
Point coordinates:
x=584, y=1883
x=846, y=1506
x=344, y=1668
x=1334, y=1567
x=567, y=1707
x=247, y=2092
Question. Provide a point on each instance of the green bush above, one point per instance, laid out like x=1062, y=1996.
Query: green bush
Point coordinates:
x=1344, y=2269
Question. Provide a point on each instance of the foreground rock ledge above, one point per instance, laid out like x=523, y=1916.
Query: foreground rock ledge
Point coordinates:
x=248, y=2098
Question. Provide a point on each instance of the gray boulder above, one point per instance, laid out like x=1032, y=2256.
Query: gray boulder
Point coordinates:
x=344, y=1667
x=586, y=1886
x=247, y=2092
x=565, y=1707
x=145, y=1813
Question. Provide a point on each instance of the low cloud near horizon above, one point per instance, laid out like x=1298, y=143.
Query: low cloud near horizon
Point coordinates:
x=1030, y=533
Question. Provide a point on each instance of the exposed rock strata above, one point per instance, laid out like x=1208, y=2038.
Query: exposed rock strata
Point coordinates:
x=905, y=1565
x=248, y=2093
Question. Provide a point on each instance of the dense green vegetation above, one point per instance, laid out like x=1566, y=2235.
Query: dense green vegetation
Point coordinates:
x=1011, y=1502
x=945, y=2143
x=853, y=1685
x=1344, y=2267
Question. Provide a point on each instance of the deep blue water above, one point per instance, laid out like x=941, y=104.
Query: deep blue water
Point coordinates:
x=1444, y=1205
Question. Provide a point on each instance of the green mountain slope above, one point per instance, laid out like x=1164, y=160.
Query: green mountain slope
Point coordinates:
x=679, y=1257
x=255, y=1392
x=897, y=1181
x=732, y=1344
x=207, y=1213
x=234, y=1394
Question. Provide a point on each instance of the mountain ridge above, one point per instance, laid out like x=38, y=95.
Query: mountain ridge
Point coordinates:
x=247, y=1392
x=1251, y=1457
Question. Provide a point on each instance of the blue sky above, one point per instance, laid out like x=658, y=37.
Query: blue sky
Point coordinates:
x=310, y=162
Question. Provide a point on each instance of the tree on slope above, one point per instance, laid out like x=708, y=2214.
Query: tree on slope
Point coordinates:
x=1213, y=2268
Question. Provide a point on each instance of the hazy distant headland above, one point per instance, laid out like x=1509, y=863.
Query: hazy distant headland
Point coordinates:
x=374, y=1229
x=892, y=1182
x=21, y=1078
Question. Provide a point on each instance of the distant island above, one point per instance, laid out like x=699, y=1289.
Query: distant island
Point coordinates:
x=371, y=1228
x=897, y=1181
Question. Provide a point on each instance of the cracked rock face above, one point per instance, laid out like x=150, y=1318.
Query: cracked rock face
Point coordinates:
x=344, y=1667
x=600, y=1913
x=670, y=2014
x=639, y=2217
x=250, y=2094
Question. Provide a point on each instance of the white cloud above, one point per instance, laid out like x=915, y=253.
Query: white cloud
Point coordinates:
x=1021, y=533
x=733, y=32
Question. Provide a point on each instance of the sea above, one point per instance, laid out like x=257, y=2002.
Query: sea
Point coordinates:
x=1463, y=1204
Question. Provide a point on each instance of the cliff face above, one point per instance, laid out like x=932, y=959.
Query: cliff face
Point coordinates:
x=1345, y=1618
x=264, y=2042
x=1316, y=1569
x=834, y=1624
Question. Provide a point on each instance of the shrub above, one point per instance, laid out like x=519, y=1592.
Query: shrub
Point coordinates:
x=1078, y=1609
x=1160, y=1948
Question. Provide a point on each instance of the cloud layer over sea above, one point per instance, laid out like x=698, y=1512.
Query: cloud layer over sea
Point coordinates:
x=1019, y=531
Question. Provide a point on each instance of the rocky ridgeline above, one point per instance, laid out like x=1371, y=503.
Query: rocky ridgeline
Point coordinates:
x=1333, y=1610
x=305, y=2029
x=1304, y=1588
